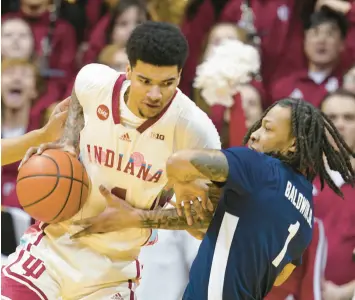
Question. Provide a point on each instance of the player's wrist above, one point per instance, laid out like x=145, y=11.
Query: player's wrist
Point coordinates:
x=42, y=135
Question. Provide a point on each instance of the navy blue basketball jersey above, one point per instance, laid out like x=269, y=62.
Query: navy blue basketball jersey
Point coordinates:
x=262, y=223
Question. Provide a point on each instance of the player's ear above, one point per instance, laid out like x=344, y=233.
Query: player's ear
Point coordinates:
x=292, y=148
x=128, y=72
x=179, y=78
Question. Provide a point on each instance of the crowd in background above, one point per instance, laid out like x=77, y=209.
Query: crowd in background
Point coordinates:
x=307, y=50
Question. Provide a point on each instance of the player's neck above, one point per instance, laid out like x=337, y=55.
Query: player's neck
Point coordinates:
x=16, y=118
x=130, y=104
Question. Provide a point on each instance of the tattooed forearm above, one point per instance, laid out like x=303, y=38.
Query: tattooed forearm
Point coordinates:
x=212, y=164
x=169, y=219
x=188, y=165
x=74, y=123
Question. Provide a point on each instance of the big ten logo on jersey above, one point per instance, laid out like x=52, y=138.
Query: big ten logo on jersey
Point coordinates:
x=157, y=136
x=134, y=166
x=102, y=112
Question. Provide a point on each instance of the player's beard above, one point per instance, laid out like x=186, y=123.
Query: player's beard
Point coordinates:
x=143, y=116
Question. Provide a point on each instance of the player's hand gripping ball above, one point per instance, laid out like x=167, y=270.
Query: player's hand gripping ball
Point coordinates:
x=52, y=187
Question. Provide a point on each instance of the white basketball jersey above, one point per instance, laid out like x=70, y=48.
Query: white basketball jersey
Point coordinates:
x=128, y=161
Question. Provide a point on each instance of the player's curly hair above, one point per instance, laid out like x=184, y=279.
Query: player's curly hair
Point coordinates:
x=158, y=44
x=313, y=149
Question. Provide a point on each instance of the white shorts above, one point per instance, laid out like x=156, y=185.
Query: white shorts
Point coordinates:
x=36, y=271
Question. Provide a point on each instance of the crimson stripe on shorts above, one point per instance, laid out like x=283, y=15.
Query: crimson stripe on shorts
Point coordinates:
x=7, y=272
x=130, y=286
x=39, y=227
x=138, y=267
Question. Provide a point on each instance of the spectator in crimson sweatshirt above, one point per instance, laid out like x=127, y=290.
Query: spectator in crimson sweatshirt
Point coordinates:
x=115, y=27
x=61, y=64
x=338, y=215
x=279, y=24
x=349, y=80
x=21, y=89
x=334, y=280
x=324, y=42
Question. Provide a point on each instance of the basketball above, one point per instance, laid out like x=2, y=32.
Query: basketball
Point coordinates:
x=52, y=187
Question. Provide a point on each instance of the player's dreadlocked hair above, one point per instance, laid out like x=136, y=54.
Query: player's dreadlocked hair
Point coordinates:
x=310, y=127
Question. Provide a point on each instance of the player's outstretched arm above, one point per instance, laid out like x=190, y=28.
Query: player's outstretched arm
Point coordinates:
x=119, y=215
x=187, y=172
x=14, y=149
x=188, y=165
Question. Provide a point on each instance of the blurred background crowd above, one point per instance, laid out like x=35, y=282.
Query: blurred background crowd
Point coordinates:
x=307, y=50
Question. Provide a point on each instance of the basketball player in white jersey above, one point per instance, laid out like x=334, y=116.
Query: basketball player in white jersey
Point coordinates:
x=128, y=125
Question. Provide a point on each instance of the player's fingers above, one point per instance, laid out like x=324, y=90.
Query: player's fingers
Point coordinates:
x=28, y=154
x=204, y=198
x=196, y=233
x=210, y=205
x=198, y=209
x=179, y=209
x=84, y=232
x=61, y=106
x=44, y=147
x=188, y=215
x=105, y=192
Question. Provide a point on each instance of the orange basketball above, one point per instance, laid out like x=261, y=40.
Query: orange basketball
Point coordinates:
x=52, y=187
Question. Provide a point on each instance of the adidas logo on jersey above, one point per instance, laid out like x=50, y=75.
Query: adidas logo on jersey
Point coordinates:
x=117, y=297
x=125, y=137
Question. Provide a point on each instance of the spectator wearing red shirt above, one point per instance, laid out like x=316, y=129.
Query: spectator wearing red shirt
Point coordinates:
x=21, y=86
x=115, y=27
x=17, y=39
x=279, y=24
x=324, y=42
x=339, y=219
x=61, y=62
x=349, y=80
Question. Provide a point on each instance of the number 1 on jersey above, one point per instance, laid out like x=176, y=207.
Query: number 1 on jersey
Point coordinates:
x=292, y=229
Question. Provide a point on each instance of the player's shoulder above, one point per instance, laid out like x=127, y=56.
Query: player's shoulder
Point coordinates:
x=256, y=165
x=190, y=113
x=95, y=76
x=194, y=124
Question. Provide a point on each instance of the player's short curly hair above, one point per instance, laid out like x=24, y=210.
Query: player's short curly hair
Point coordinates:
x=158, y=44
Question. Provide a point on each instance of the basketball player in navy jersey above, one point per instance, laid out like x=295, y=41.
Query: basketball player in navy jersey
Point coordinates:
x=264, y=218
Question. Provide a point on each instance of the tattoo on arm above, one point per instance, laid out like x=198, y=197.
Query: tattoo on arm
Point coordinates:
x=188, y=165
x=74, y=123
x=213, y=164
x=169, y=219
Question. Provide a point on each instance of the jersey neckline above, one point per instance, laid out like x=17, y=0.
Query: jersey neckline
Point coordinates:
x=116, y=106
